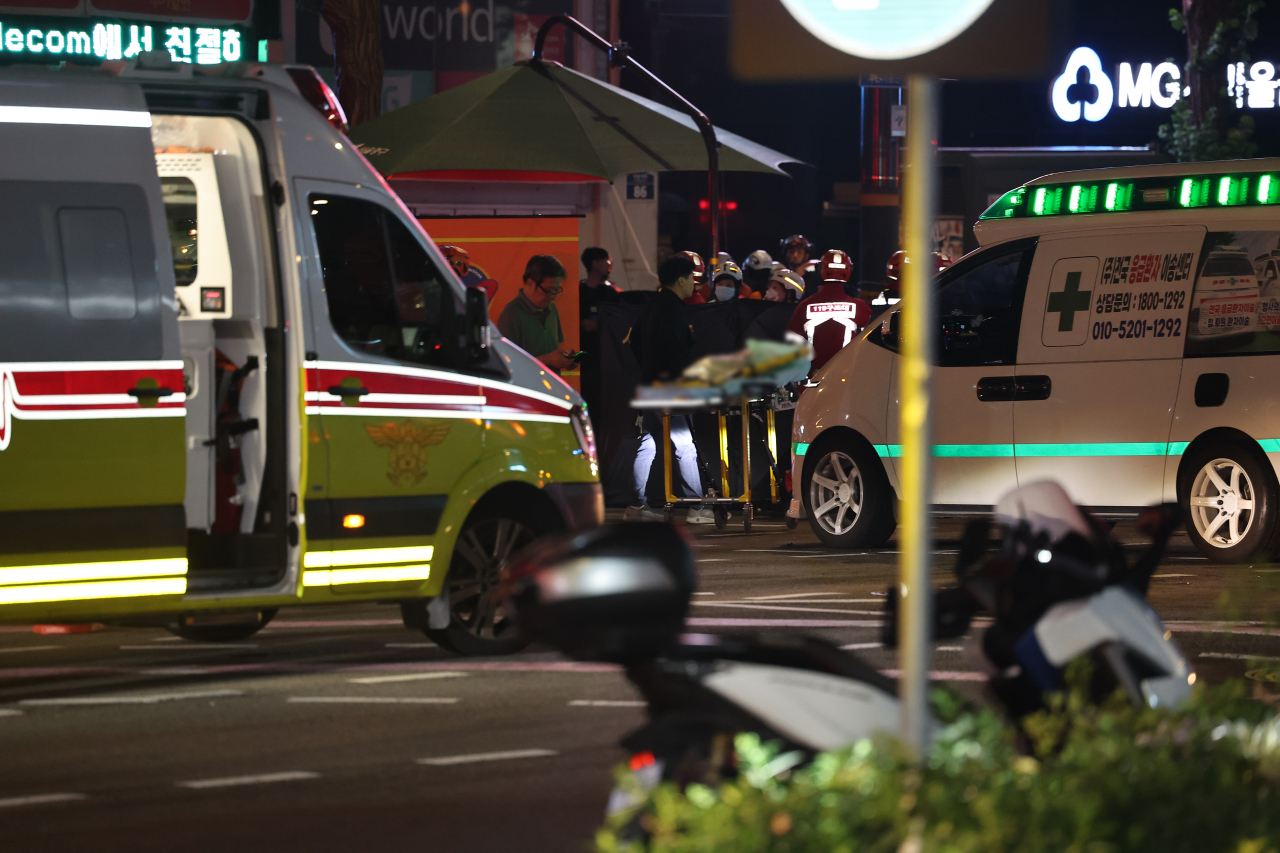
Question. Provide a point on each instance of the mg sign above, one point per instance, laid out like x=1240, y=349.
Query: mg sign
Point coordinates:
x=1084, y=89
x=886, y=29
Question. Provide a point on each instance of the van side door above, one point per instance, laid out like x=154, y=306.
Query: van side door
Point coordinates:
x=400, y=425
x=92, y=462
x=979, y=314
x=1099, y=360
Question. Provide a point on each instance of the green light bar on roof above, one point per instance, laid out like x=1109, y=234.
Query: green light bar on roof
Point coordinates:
x=1139, y=194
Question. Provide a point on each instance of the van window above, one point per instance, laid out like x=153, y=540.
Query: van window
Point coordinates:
x=979, y=309
x=80, y=280
x=95, y=260
x=1235, y=304
x=384, y=293
x=180, y=213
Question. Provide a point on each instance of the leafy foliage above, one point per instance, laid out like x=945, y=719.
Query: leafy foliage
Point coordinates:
x=1098, y=779
x=1213, y=137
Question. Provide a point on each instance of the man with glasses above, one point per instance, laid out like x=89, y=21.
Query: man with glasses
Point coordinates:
x=530, y=321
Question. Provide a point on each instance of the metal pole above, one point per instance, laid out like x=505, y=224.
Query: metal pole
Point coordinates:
x=918, y=329
x=618, y=57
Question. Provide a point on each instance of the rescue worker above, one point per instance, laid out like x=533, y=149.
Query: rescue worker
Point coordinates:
x=756, y=271
x=701, y=282
x=784, y=286
x=829, y=318
x=472, y=276
x=727, y=283
x=796, y=255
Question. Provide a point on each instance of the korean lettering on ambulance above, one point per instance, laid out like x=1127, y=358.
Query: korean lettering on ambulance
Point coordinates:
x=1132, y=271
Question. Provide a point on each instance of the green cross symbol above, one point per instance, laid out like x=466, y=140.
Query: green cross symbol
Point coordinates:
x=1069, y=301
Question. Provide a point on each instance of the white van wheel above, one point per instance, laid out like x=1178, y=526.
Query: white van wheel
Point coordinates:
x=836, y=493
x=847, y=497
x=1230, y=500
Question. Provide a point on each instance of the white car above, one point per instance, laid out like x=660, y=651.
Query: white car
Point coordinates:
x=1074, y=345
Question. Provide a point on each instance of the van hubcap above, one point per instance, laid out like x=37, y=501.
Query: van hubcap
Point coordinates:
x=479, y=556
x=836, y=493
x=1222, y=503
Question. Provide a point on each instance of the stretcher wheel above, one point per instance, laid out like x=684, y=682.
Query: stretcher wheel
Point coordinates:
x=792, y=523
x=722, y=518
x=748, y=514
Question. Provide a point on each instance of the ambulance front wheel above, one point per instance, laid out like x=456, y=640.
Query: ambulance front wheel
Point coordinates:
x=1229, y=496
x=493, y=532
x=847, y=496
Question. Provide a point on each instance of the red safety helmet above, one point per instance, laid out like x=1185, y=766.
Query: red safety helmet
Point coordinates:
x=699, y=266
x=458, y=258
x=836, y=265
x=893, y=269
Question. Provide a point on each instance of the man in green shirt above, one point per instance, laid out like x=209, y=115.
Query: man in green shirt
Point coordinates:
x=530, y=321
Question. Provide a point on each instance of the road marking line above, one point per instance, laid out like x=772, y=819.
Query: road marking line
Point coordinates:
x=606, y=703
x=943, y=675
x=146, y=699
x=855, y=646
x=39, y=799
x=781, y=607
x=176, y=670
x=475, y=757
x=1229, y=656
x=412, y=646
x=1173, y=576
x=376, y=700
x=29, y=649
x=949, y=648
x=408, y=676
x=10, y=712
x=335, y=623
x=718, y=622
x=713, y=560
x=166, y=639
x=186, y=646
x=788, y=595
x=259, y=779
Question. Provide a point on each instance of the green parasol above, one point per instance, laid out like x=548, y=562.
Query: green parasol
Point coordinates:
x=542, y=121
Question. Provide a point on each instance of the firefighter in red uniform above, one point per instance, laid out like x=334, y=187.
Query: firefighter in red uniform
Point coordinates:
x=701, y=284
x=829, y=318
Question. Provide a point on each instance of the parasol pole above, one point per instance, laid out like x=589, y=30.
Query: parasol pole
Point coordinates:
x=619, y=57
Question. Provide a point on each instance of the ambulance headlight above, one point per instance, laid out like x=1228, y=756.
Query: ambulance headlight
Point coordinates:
x=586, y=435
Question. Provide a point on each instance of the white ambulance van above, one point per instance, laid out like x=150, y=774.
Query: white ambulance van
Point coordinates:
x=1118, y=331
x=236, y=374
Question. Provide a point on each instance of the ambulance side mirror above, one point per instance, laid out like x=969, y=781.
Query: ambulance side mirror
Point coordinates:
x=477, y=324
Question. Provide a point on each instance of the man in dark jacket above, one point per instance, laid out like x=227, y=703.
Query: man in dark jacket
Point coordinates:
x=663, y=344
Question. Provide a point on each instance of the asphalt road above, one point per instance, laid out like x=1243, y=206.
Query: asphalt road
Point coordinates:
x=336, y=729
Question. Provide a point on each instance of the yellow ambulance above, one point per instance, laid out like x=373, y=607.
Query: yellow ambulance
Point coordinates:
x=236, y=375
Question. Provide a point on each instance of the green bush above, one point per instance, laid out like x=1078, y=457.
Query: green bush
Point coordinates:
x=1107, y=779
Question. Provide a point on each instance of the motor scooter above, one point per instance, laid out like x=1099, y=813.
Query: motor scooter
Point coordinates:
x=1056, y=587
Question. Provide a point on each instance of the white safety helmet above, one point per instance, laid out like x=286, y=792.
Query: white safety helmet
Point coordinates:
x=759, y=260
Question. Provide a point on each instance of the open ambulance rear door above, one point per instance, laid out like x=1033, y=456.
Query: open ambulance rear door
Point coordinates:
x=92, y=436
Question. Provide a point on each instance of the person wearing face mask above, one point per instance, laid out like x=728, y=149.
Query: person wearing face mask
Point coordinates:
x=728, y=281
x=784, y=286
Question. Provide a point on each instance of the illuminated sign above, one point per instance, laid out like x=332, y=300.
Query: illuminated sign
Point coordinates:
x=886, y=29
x=80, y=40
x=1084, y=90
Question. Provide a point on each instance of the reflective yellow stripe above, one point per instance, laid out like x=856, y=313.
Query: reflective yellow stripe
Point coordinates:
x=330, y=577
x=86, y=591
x=93, y=571
x=367, y=557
